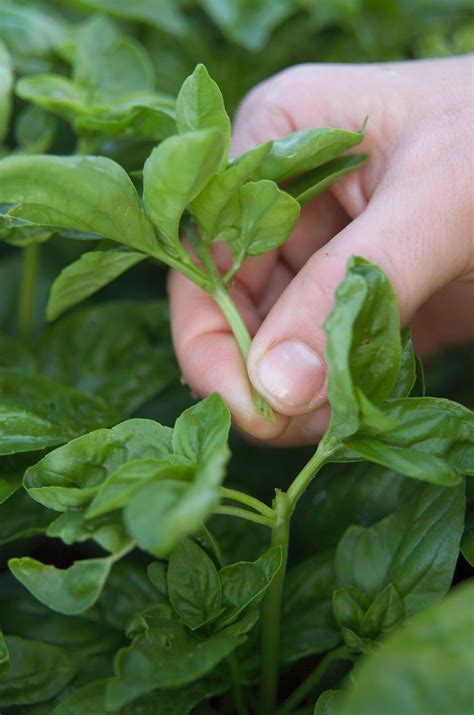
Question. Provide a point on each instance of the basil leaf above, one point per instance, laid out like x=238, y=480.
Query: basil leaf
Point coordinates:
x=4, y=656
x=174, y=174
x=202, y=428
x=415, y=548
x=30, y=34
x=246, y=582
x=69, y=477
x=422, y=667
x=194, y=587
x=37, y=672
x=408, y=368
x=307, y=624
x=53, y=93
x=107, y=531
x=69, y=591
x=35, y=129
x=91, y=272
x=328, y=703
x=126, y=591
x=84, y=193
x=305, y=150
x=200, y=105
x=36, y=413
x=314, y=182
x=21, y=517
x=164, y=16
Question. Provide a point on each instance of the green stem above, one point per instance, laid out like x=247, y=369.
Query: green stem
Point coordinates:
x=309, y=471
x=313, y=680
x=28, y=285
x=243, y=339
x=237, y=691
x=271, y=616
x=248, y=500
x=243, y=514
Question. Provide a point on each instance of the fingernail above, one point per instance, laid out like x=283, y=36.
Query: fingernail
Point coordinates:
x=292, y=374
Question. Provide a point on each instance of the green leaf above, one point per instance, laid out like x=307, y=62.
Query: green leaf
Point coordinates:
x=35, y=130
x=258, y=219
x=212, y=200
x=167, y=655
x=69, y=591
x=161, y=513
x=364, y=348
x=246, y=582
x=147, y=116
x=126, y=591
x=4, y=656
x=200, y=105
x=202, y=429
x=107, y=531
x=119, y=350
x=88, y=699
x=157, y=574
x=119, y=486
x=37, y=672
x=425, y=666
x=307, y=624
x=70, y=476
x=53, y=93
x=415, y=548
x=328, y=703
x=36, y=413
x=164, y=14
x=305, y=150
x=31, y=34
x=408, y=368
x=91, y=272
x=467, y=542
x=6, y=86
x=21, y=517
x=194, y=587
x=15, y=357
x=174, y=174
x=314, y=182
x=85, y=193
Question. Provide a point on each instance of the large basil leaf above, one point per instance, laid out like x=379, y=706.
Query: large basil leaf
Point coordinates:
x=37, y=672
x=89, y=194
x=424, y=667
x=70, y=476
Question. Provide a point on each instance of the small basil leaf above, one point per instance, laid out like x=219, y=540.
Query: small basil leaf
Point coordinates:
x=349, y=605
x=423, y=667
x=202, y=428
x=246, y=582
x=70, y=476
x=69, y=591
x=305, y=150
x=85, y=193
x=194, y=587
x=37, y=672
x=200, y=105
x=174, y=174
x=314, y=182
x=91, y=272
x=386, y=611
x=408, y=368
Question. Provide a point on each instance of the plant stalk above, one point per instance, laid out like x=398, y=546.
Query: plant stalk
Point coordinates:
x=313, y=680
x=28, y=286
x=237, y=691
x=271, y=616
x=309, y=471
x=252, y=502
x=243, y=514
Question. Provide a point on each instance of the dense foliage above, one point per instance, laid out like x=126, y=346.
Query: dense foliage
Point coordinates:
x=147, y=564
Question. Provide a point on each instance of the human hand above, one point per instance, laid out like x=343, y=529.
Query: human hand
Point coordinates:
x=409, y=209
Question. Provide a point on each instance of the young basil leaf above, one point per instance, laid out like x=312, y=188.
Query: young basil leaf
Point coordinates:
x=22, y=517
x=423, y=667
x=120, y=351
x=383, y=614
x=407, y=376
x=69, y=477
x=200, y=105
x=91, y=272
x=6, y=86
x=119, y=486
x=194, y=587
x=258, y=219
x=69, y=591
x=107, y=531
x=328, y=703
x=167, y=655
x=4, y=656
x=415, y=548
x=36, y=413
x=212, y=200
x=161, y=513
x=246, y=582
x=85, y=193
x=157, y=574
x=314, y=182
x=37, y=672
x=349, y=605
x=308, y=625
x=364, y=348
x=147, y=116
x=35, y=130
x=174, y=174
x=305, y=150
x=202, y=429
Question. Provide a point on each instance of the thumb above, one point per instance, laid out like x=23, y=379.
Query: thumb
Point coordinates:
x=286, y=362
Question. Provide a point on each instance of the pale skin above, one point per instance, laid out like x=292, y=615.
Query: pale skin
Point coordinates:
x=409, y=209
